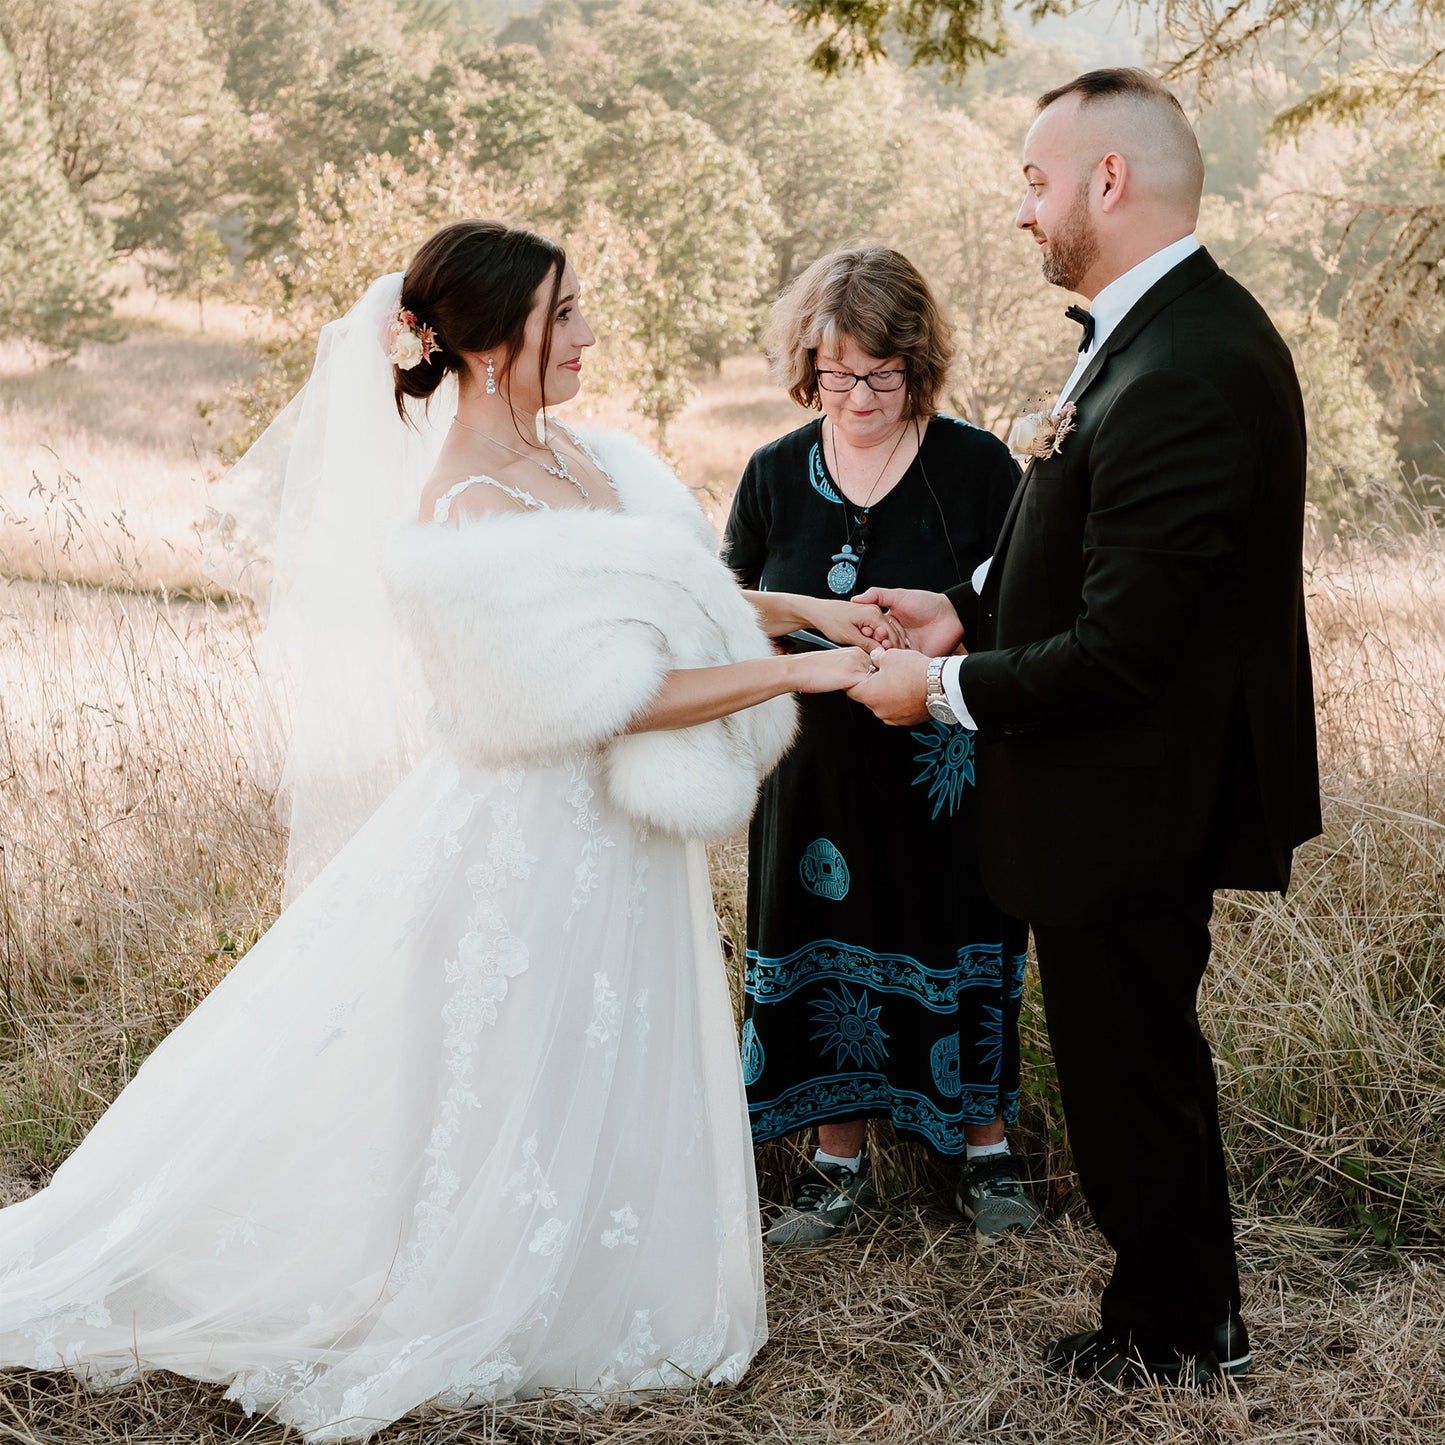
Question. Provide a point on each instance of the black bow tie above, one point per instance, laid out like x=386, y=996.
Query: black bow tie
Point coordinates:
x=1086, y=320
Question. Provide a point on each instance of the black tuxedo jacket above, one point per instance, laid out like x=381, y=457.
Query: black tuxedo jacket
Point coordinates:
x=1139, y=668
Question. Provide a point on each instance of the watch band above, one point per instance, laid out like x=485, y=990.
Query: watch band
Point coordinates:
x=939, y=707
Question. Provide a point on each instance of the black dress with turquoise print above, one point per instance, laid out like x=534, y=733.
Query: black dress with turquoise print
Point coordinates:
x=880, y=979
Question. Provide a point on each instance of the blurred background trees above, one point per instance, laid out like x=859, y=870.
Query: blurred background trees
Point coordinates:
x=695, y=155
x=53, y=255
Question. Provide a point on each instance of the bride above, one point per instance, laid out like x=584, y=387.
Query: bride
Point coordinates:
x=467, y=1124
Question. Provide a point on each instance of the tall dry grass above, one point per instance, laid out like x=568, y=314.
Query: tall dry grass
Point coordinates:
x=137, y=861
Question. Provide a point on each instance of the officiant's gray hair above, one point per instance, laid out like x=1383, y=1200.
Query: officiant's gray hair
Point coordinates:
x=876, y=297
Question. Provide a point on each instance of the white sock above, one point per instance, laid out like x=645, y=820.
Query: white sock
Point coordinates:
x=855, y=1163
x=985, y=1151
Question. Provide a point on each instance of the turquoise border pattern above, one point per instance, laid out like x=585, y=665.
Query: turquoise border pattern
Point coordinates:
x=818, y=475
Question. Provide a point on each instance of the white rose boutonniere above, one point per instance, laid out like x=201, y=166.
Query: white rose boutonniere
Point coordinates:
x=1038, y=435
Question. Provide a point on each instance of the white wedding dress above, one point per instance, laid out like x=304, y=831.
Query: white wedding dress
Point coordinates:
x=467, y=1124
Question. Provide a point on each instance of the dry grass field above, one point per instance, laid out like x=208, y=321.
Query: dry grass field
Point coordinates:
x=137, y=861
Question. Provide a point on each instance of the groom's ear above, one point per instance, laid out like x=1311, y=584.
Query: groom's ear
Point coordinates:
x=1114, y=173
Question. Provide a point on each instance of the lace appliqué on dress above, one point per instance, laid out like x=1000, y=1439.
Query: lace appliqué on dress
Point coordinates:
x=595, y=840
x=625, y=1222
x=606, y=1025
x=638, y=891
x=529, y=1185
x=488, y=954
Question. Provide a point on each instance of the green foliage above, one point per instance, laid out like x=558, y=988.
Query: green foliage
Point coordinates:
x=827, y=152
x=951, y=217
x=140, y=117
x=367, y=103
x=198, y=268
x=698, y=215
x=953, y=35
x=520, y=114
x=1351, y=449
x=267, y=45
x=53, y=258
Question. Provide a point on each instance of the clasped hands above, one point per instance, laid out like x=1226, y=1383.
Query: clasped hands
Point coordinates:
x=901, y=628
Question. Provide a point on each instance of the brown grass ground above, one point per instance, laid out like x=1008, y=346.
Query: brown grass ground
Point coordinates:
x=138, y=862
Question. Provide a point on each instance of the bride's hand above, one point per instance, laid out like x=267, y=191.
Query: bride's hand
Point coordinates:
x=855, y=624
x=835, y=670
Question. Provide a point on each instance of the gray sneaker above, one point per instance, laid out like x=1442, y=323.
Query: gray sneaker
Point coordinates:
x=828, y=1200
x=992, y=1198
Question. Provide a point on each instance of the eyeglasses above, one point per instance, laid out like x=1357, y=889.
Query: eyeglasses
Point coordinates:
x=885, y=379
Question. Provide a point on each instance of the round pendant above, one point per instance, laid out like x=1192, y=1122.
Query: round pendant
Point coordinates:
x=843, y=574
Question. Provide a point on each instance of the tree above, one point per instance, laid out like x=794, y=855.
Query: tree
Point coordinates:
x=952, y=33
x=828, y=153
x=199, y=268
x=519, y=113
x=697, y=215
x=367, y=102
x=1351, y=449
x=951, y=219
x=132, y=98
x=53, y=257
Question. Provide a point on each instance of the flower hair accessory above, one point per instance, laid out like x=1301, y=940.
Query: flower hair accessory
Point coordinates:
x=1038, y=435
x=408, y=341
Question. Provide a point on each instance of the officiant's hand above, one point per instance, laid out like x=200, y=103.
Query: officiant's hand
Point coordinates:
x=930, y=623
x=897, y=692
x=855, y=624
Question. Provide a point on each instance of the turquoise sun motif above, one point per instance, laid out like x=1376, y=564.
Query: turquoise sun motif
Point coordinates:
x=849, y=1027
x=947, y=759
x=990, y=1039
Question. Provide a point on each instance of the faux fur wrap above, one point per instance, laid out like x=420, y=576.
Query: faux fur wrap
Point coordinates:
x=547, y=632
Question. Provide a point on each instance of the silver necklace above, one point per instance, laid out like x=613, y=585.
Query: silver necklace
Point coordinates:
x=560, y=471
x=843, y=574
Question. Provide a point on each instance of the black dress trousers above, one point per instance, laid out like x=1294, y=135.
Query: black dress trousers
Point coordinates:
x=1137, y=1080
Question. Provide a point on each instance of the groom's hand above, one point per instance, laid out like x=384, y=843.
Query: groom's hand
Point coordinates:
x=928, y=617
x=897, y=692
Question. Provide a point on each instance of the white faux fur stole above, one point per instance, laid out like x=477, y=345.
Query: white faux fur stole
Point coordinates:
x=544, y=633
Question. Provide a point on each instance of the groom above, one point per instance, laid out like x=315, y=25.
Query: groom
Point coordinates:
x=1139, y=678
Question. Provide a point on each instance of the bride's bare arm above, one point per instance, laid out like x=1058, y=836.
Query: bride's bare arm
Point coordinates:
x=695, y=695
x=851, y=624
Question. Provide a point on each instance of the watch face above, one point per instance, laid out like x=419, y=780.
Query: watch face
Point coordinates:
x=939, y=710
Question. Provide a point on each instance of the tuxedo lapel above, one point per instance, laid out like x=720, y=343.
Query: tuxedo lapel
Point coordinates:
x=1188, y=274
x=1005, y=532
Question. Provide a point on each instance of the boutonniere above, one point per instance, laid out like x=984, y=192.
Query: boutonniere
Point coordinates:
x=1038, y=435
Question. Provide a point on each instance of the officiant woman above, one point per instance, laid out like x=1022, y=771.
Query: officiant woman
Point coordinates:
x=881, y=982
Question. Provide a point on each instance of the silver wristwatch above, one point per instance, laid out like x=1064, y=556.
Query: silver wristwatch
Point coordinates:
x=938, y=705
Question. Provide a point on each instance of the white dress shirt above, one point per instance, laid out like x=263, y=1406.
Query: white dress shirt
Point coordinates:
x=1110, y=307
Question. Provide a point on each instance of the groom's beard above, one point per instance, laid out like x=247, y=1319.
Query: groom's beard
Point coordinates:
x=1073, y=244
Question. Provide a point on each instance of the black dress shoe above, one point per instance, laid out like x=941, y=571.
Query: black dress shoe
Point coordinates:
x=1096, y=1356
x=1231, y=1348
x=1100, y=1357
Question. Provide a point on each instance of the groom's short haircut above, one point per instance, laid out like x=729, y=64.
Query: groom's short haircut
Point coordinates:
x=1170, y=147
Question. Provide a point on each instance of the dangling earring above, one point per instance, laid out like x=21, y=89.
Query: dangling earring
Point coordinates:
x=491, y=379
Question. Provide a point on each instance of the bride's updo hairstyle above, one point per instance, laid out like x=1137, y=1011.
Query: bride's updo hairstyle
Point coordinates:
x=472, y=282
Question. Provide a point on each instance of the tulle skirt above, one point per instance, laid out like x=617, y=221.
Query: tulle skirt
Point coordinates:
x=466, y=1125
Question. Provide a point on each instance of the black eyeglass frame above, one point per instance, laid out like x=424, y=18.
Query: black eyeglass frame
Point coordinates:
x=901, y=372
